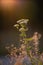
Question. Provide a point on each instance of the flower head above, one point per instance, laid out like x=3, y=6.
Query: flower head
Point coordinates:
x=22, y=29
x=23, y=21
x=20, y=20
x=16, y=25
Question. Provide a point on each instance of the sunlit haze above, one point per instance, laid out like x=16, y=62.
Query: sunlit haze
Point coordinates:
x=8, y=3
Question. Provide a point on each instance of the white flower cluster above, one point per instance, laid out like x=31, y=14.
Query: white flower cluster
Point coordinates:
x=23, y=21
x=16, y=25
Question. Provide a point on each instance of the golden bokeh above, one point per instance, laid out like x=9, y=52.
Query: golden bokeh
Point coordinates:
x=8, y=3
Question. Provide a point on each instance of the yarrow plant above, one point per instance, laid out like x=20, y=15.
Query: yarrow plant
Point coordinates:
x=22, y=28
x=25, y=48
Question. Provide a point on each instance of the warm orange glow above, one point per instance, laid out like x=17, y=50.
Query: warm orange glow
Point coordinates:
x=8, y=3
